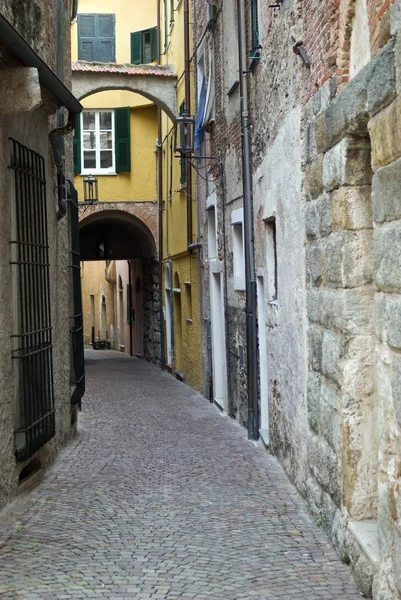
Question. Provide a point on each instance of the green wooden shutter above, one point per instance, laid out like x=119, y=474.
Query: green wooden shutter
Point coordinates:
x=254, y=25
x=105, y=39
x=154, y=43
x=77, y=145
x=136, y=48
x=86, y=37
x=122, y=140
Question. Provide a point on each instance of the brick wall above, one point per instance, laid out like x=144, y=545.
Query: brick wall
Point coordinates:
x=327, y=33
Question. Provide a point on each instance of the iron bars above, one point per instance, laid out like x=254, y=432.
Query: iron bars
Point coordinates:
x=32, y=337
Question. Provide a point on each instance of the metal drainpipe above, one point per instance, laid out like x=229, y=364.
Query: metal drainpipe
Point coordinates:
x=251, y=307
x=160, y=202
x=187, y=84
x=58, y=145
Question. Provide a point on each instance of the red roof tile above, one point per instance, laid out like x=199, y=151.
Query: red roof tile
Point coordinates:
x=125, y=69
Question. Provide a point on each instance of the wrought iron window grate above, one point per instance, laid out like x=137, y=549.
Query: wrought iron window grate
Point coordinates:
x=32, y=337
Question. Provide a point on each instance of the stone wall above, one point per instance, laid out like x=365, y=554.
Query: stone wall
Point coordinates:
x=151, y=312
x=351, y=187
x=326, y=159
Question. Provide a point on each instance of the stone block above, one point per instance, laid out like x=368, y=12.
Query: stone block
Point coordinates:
x=383, y=514
x=323, y=463
x=396, y=387
x=352, y=208
x=347, y=163
x=379, y=315
x=312, y=221
x=386, y=193
x=313, y=107
x=397, y=54
x=385, y=135
x=348, y=259
x=311, y=153
x=21, y=90
x=324, y=210
x=380, y=79
x=387, y=257
x=314, y=400
x=328, y=92
x=395, y=17
x=331, y=355
x=393, y=321
x=346, y=114
x=313, y=179
x=330, y=418
x=314, y=263
x=357, y=368
x=367, y=93
x=315, y=339
x=397, y=558
x=347, y=311
x=318, y=217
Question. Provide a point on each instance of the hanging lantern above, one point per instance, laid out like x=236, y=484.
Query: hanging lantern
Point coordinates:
x=91, y=190
x=184, y=134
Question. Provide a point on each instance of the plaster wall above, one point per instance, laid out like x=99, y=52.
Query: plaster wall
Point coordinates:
x=31, y=130
x=139, y=184
x=31, y=18
x=280, y=196
x=99, y=281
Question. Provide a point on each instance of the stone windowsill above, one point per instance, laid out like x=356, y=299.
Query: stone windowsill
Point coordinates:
x=366, y=534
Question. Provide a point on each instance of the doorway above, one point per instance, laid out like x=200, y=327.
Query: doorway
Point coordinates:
x=178, y=323
x=169, y=314
x=218, y=341
x=263, y=363
x=121, y=313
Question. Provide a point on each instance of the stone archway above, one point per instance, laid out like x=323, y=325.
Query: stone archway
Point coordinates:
x=139, y=215
x=127, y=234
x=153, y=82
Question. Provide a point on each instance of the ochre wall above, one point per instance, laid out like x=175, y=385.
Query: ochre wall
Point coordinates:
x=144, y=17
x=186, y=352
x=140, y=183
x=93, y=281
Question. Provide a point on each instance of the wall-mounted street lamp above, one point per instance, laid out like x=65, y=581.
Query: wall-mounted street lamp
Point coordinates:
x=91, y=192
x=184, y=135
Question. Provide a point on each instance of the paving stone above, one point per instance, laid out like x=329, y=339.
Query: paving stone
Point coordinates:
x=159, y=497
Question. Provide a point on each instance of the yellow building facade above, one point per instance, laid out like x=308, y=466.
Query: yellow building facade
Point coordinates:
x=127, y=144
x=180, y=260
x=115, y=142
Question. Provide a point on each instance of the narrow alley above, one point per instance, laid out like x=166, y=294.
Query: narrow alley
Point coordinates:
x=160, y=497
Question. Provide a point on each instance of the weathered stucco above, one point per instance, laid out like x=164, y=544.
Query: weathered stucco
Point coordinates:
x=276, y=195
x=31, y=129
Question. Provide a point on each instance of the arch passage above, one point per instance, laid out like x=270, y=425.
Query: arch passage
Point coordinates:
x=128, y=243
x=114, y=234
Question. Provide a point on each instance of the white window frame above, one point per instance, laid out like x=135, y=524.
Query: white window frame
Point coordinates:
x=237, y=222
x=97, y=170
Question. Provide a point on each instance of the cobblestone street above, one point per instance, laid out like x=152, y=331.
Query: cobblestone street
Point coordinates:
x=159, y=496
